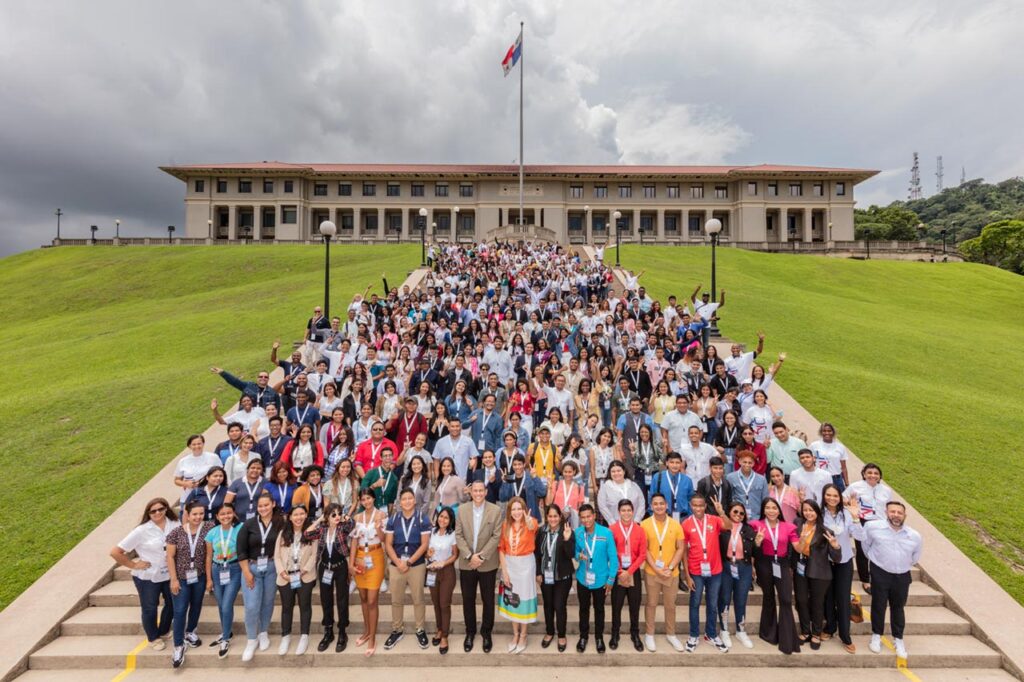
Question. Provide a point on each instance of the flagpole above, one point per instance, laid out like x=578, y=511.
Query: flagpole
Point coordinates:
x=522, y=66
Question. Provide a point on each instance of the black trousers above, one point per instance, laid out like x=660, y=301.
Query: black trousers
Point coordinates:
x=556, y=606
x=777, y=624
x=485, y=581
x=335, y=593
x=305, y=599
x=863, y=564
x=587, y=596
x=888, y=590
x=837, y=601
x=810, y=603
x=621, y=594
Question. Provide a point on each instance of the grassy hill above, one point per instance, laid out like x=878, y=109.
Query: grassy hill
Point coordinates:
x=919, y=366
x=106, y=355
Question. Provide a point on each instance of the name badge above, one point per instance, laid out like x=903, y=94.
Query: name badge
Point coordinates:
x=660, y=563
x=250, y=515
x=405, y=558
x=192, y=577
x=801, y=567
x=431, y=578
x=296, y=580
x=675, y=515
x=607, y=404
x=368, y=561
x=648, y=478
x=224, y=576
x=549, y=576
x=734, y=569
x=261, y=563
x=625, y=560
x=319, y=512
x=705, y=569
x=480, y=445
x=328, y=576
x=776, y=571
x=590, y=578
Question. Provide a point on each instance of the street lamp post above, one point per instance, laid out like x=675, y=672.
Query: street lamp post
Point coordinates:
x=93, y=229
x=170, y=233
x=867, y=243
x=943, y=233
x=587, y=231
x=117, y=229
x=327, y=230
x=209, y=229
x=713, y=228
x=423, y=237
x=58, y=213
x=454, y=228
x=617, y=217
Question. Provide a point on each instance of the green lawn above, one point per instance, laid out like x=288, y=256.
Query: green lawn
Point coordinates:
x=106, y=353
x=919, y=365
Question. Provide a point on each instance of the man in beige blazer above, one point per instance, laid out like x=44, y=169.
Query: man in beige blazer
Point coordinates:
x=477, y=531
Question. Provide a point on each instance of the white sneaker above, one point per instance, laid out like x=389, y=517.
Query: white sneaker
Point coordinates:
x=674, y=641
x=303, y=645
x=250, y=650
x=285, y=643
x=691, y=645
x=875, y=644
x=384, y=587
x=264, y=640
x=901, y=648
x=649, y=643
x=724, y=634
x=744, y=639
x=158, y=644
x=351, y=586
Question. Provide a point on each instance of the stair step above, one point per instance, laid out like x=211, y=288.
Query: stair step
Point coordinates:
x=122, y=593
x=513, y=674
x=938, y=651
x=124, y=620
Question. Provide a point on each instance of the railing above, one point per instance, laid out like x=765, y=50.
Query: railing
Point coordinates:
x=525, y=231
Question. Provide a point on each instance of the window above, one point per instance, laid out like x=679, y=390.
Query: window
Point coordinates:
x=465, y=190
x=395, y=222
x=370, y=222
x=417, y=189
x=647, y=223
x=819, y=189
x=671, y=226
x=576, y=222
x=773, y=189
x=347, y=221
x=840, y=189
x=222, y=186
x=649, y=192
x=600, y=191
x=394, y=189
x=721, y=191
x=245, y=186
x=752, y=189
x=289, y=186
x=444, y=223
x=576, y=192
x=268, y=218
x=440, y=190
x=344, y=189
x=695, y=226
x=289, y=215
x=369, y=189
x=268, y=186
x=200, y=186
x=625, y=191
x=696, y=191
x=796, y=189
x=320, y=189
x=672, y=191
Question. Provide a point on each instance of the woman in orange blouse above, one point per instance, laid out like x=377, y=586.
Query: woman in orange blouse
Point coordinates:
x=518, y=599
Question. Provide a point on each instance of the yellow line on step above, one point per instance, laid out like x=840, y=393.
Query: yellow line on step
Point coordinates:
x=901, y=663
x=129, y=663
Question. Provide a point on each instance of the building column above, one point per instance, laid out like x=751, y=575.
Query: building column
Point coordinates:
x=357, y=223
x=636, y=224
x=684, y=229
x=257, y=222
x=659, y=225
x=808, y=224
x=730, y=224
x=232, y=217
x=405, y=224
x=381, y=228
x=783, y=225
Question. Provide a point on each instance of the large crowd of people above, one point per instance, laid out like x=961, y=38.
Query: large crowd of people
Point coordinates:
x=524, y=427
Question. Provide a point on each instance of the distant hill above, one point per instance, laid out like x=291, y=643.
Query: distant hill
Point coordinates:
x=962, y=211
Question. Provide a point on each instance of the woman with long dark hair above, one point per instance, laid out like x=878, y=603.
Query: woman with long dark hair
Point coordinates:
x=417, y=479
x=554, y=549
x=773, y=541
x=442, y=553
x=295, y=559
x=844, y=527
x=331, y=533
x=223, y=576
x=812, y=573
x=186, y=563
x=738, y=548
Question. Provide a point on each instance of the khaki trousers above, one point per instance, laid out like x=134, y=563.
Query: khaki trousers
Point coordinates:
x=664, y=590
x=397, y=581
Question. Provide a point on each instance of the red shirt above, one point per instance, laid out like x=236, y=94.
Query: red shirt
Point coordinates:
x=368, y=454
x=637, y=549
x=402, y=433
x=695, y=551
x=522, y=403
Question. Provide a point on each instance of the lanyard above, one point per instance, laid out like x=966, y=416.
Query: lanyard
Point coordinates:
x=193, y=541
x=702, y=534
x=626, y=535
x=408, y=425
x=273, y=445
x=282, y=490
x=264, y=532
x=440, y=488
x=407, y=530
x=746, y=486
x=514, y=539
x=734, y=542
x=544, y=457
x=232, y=449
x=659, y=536
x=522, y=484
x=317, y=498
x=387, y=482
x=224, y=543
x=302, y=415
x=636, y=424
x=374, y=451
x=212, y=496
x=590, y=547
x=717, y=490
x=673, y=489
x=729, y=436
x=552, y=538
x=779, y=497
x=329, y=547
x=565, y=495
x=773, y=538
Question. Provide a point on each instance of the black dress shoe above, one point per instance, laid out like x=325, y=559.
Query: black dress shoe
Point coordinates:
x=468, y=644
x=487, y=643
x=328, y=638
x=581, y=645
x=435, y=640
x=637, y=642
x=599, y=640
x=546, y=642
x=342, y=642
x=613, y=642
x=442, y=650
x=561, y=648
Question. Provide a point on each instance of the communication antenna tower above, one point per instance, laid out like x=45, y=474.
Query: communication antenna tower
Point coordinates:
x=938, y=174
x=915, y=180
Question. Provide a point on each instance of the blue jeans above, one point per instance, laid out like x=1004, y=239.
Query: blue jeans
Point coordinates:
x=837, y=480
x=259, y=601
x=149, y=598
x=737, y=590
x=225, y=595
x=188, y=603
x=713, y=585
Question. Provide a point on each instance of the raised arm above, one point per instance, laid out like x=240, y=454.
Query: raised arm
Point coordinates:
x=216, y=412
x=774, y=369
x=760, y=342
x=273, y=352
x=693, y=296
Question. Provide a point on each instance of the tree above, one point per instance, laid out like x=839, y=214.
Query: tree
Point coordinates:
x=1000, y=243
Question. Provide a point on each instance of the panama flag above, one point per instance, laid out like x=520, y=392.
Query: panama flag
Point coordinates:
x=513, y=54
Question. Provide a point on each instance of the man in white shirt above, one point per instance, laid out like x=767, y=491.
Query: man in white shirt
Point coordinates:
x=893, y=548
x=809, y=480
x=500, y=361
x=740, y=365
x=697, y=454
x=559, y=397
x=676, y=425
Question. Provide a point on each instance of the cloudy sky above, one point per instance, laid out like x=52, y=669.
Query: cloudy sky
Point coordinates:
x=94, y=96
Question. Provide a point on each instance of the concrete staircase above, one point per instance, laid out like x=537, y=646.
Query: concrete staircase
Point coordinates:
x=97, y=639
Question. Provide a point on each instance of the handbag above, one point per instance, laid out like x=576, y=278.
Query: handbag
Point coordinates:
x=856, y=609
x=508, y=597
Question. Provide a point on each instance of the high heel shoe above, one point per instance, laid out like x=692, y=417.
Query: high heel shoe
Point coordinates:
x=561, y=646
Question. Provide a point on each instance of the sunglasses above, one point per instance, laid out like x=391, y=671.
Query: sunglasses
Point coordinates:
x=737, y=513
x=157, y=510
x=335, y=514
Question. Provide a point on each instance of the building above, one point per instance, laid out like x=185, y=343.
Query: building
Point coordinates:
x=571, y=204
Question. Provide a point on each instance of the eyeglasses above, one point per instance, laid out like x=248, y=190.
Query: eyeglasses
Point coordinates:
x=737, y=512
x=335, y=515
x=157, y=510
